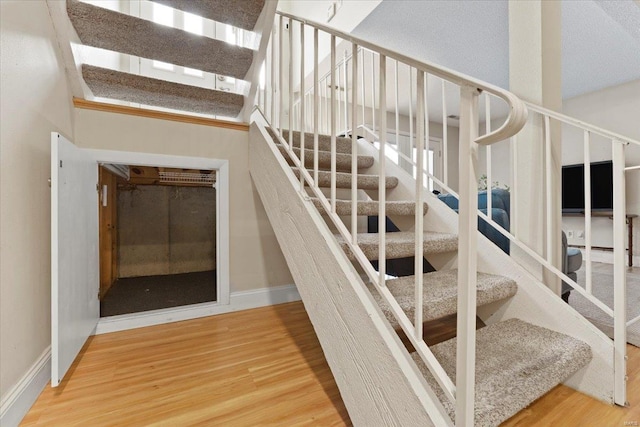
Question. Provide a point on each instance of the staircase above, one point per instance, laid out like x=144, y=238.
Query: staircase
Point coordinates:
x=318, y=189
x=530, y=359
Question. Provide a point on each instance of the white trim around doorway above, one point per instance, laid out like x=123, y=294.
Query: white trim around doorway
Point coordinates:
x=221, y=166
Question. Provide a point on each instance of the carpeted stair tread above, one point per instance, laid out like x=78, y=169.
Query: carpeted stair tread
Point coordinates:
x=516, y=363
x=145, y=90
x=343, y=180
x=370, y=207
x=343, y=161
x=224, y=11
x=343, y=145
x=401, y=244
x=440, y=293
x=118, y=32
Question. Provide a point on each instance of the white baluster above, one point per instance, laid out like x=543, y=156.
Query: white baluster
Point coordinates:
x=467, y=258
x=302, y=108
x=419, y=219
x=382, y=187
x=316, y=106
x=354, y=144
x=333, y=124
x=587, y=211
x=619, y=274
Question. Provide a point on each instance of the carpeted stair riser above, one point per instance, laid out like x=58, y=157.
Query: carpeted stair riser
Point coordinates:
x=160, y=93
x=230, y=12
x=343, y=161
x=122, y=33
x=343, y=180
x=440, y=293
x=343, y=145
x=516, y=363
x=401, y=244
x=370, y=207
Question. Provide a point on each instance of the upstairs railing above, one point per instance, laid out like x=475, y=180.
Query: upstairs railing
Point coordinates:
x=364, y=95
x=370, y=90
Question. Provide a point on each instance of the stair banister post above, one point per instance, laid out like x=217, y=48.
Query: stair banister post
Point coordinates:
x=445, y=138
x=619, y=274
x=291, y=86
x=419, y=218
x=354, y=144
x=467, y=257
x=487, y=124
x=333, y=124
x=397, y=102
x=272, y=78
x=346, y=94
x=302, y=109
x=587, y=211
x=316, y=106
x=362, y=89
x=281, y=76
x=382, y=187
x=373, y=90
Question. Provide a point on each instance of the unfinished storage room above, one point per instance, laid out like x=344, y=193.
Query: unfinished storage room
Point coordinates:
x=158, y=238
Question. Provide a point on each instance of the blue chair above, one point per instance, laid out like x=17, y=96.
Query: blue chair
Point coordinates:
x=501, y=211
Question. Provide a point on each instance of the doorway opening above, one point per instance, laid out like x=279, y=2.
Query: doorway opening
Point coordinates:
x=158, y=238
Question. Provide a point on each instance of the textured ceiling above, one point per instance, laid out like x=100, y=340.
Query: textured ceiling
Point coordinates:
x=600, y=39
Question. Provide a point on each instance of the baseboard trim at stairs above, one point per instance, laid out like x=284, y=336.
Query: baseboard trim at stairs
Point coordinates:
x=607, y=256
x=18, y=401
x=154, y=114
x=243, y=300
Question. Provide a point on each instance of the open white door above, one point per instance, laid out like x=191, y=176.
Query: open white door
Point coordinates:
x=75, y=274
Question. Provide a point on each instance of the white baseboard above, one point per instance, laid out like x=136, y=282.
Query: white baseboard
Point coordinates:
x=18, y=401
x=239, y=301
x=607, y=257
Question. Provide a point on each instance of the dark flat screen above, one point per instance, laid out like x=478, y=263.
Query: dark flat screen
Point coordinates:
x=601, y=187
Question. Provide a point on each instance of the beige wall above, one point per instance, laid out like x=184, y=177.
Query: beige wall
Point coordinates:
x=35, y=101
x=255, y=257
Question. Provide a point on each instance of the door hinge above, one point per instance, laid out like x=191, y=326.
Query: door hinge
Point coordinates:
x=60, y=163
x=98, y=188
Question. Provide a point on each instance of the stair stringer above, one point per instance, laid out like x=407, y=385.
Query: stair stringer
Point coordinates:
x=69, y=42
x=378, y=381
x=533, y=303
x=263, y=28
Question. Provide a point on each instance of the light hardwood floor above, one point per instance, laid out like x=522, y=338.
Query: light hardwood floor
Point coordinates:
x=250, y=368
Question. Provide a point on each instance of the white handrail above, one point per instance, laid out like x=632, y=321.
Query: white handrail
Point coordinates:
x=517, y=110
x=581, y=124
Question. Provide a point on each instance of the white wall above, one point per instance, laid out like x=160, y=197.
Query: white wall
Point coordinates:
x=35, y=101
x=255, y=257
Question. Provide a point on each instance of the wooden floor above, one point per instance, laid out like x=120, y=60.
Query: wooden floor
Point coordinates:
x=250, y=368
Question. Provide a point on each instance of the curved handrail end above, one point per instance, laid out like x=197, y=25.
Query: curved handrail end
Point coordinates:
x=516, y=120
